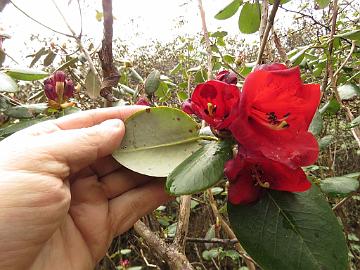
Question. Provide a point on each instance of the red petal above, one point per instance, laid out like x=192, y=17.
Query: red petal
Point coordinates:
x=243, y=190
x=270, y=67
x=283, y=178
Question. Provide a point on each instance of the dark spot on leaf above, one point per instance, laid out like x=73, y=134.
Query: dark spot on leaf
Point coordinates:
x=178, y=118
x=190, y=130
x=317, y=235
x=147, y=110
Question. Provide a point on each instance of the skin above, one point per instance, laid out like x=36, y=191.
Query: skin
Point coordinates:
x=63, y=198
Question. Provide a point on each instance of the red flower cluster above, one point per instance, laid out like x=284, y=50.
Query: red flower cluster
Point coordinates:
x=269, y=119
x=58, y=90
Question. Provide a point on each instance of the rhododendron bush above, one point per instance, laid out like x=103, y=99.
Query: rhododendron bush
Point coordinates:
x=256, y=136
x=260, y=142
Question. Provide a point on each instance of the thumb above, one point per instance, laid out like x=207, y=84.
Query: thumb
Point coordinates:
x=81, y=147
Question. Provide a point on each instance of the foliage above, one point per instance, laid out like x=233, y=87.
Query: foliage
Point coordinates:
x=280, y=229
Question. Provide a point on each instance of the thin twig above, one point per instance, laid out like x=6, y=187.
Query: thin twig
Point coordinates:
x=229, y=232
x=38, y=22
x=269, y=25
x=280, y=48
x=264, y=16
x=183, y=222
x=169, y=253
x=346, y=59
x=207, y=40
x=333, y=75
x=342, y=202
x=78, y=41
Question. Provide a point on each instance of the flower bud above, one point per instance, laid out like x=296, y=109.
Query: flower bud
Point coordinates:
x=187, y=107
x=58, y=89
x=143, y=101
x=226, y=76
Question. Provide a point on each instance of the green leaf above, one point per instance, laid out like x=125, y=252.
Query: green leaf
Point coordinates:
x=323, y=3
x=99, y=16
x=325, y=141
x=49, y=58
x=7, y=84
x=229, y=10
x=157, y=140
x=92, y=84
x=136, y=75
x=316, y=124
x=355, y=122
x=298, y=57
x=26, y=111
x=152, y=82
x=331, y=107
x=201, y=170
x=249, y=19
x=7, y=131
x=176, y=69
x=37, y=56
x=348, y=91
x=286, y=230
x=70, y=63
x=26, y=74
x=200, y=76
x=353, y=35
x=339, y=186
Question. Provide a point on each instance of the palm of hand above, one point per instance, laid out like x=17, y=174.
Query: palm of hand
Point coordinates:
x=65, y=208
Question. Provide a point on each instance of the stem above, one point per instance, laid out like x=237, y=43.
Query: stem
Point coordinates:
x=207, y=40
x=183, y=222
x=111, y=75
x=169, y=253
x=269, y=25
x=249, y=261
x=78, y=41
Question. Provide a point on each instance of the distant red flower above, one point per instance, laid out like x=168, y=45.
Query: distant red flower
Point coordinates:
x=274, y=113
x=143, y=101
x=214, y=101
x=226, y=76
x=249, y=178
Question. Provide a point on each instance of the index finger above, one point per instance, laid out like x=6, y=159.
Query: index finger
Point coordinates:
x=93, y=117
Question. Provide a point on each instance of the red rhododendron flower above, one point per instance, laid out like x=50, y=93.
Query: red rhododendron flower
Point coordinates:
x=249, y=178
x=214, y=102
x=274, y=114
x=226, y=76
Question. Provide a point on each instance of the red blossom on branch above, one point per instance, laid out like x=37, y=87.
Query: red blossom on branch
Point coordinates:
x=213, y=101
x=226, y=76
x=274, y=114
x=250, y=175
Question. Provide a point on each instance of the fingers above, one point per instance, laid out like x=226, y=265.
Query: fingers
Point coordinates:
x=122, y=181
x=105, y=166
x=93, y=117
x=126, y=209
x=81, y=147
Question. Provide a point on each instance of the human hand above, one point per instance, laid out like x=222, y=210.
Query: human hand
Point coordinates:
x=63, y=197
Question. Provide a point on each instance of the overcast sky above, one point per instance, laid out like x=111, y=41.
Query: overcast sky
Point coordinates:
x=138, y=22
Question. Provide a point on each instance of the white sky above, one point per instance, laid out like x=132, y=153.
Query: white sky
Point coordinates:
x=138, y=22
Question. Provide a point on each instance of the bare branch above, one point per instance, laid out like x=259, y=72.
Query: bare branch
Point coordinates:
x=269, y=25
x=169, y=253
x=183, y=223
x=207, y=40
x=110, y=73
